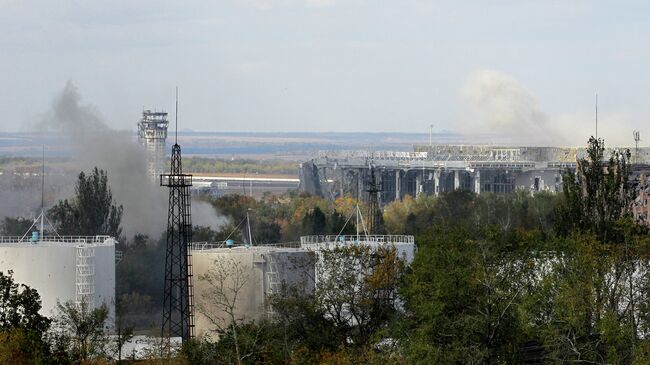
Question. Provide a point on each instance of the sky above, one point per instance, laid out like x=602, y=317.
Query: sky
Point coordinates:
x=528, y=68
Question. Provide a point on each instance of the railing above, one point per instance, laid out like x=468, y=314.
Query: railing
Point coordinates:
x=390, y=239
x=200, y=246
x=176, y=180
x=53, y=239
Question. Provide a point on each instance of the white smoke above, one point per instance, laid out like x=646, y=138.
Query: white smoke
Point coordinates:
x=614, y=127
x=203, y=214
x=499, y=104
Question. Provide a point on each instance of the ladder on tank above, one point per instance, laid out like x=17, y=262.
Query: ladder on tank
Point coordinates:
x=187, y=239
x=273, y=282
x=85, y=276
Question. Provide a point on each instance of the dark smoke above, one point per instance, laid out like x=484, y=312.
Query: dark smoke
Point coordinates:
x=145, y=203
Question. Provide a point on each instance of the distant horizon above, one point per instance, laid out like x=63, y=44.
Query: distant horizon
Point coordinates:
x=269, y=142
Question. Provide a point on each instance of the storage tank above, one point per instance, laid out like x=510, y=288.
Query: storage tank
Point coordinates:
x=404, y=244
x=248, y=275
x=328, y=273
x=61, y=269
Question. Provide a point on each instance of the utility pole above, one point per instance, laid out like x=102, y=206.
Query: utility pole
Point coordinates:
x=248, y=223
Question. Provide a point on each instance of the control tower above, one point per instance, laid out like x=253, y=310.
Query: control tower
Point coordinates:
x=152, y=134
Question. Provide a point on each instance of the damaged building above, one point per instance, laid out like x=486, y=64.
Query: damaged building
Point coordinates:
x=435, y=169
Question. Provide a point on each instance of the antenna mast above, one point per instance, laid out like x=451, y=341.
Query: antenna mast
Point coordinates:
x=596, y=115
x=637, y=138
x=176, y=133
x=42, y=194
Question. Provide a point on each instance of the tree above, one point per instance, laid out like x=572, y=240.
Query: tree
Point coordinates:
x=357, y=287
x=355, y=298
x=18, y=346
x=314, y=222
x=260, y=341
x=591, y=307
x=304, y=324
x=123, y=331
x=22, y=328
x=226, y=281
x=583, y=310
x=92, y=211
x=14, y=226
x=462, y=299
x=598, y=194
x=82, y=330
x=138, y=278
x=20, y=306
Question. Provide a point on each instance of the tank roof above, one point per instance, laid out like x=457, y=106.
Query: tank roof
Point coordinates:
x=361, y=238
x=241, y=248
x=64, y=241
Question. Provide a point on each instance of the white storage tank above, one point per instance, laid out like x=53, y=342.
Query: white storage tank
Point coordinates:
x=404, y=244
x=257, y=272
x=324, y=273
x=61, y=269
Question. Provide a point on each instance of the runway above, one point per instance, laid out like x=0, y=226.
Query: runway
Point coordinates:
x=251, y=186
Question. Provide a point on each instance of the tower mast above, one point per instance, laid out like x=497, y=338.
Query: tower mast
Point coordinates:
x=596, y=116
x=178, y=302
x=42, y=231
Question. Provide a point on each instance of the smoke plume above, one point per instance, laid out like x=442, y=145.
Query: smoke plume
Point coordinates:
x=145, y=203
x=499, y=104
x=203, y=214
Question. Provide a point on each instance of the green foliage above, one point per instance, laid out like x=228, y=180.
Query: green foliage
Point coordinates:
x=519, y=210
x=355, y=299
x=14, y=226
x=264, y=224
x=22, y=328
x=585, y=308
x=138, y=281
x=598, y=194
x=462, y=297
x=284, y=219
x=82, y=331
x=497, y=279
x=197, y=164
x=19, y=307
x=259, y=343
x=20, y=346
x=315, y=221
x=91, y=212
x=304, y=323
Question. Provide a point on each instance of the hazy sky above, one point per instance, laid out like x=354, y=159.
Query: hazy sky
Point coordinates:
x=530, y=67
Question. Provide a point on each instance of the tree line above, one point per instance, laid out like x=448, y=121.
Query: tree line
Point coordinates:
x=515, y=278
x=496, y=279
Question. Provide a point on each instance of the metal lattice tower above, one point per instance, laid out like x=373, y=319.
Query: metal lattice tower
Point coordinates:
x=152, y=134
x=177, y=303
x=374, y=213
